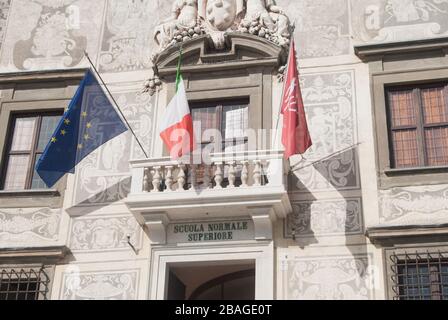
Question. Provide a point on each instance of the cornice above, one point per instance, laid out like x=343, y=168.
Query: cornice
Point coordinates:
x=374, y=50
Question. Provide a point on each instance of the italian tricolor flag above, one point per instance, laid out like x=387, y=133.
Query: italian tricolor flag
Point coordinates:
x=176, y=126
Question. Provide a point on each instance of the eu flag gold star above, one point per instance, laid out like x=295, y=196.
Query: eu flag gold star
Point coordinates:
x=63, y=132
x=79, y=146
x=89, y=125
x=84, y=114
x=53, y=140
x=86, y=136
x=67, y=121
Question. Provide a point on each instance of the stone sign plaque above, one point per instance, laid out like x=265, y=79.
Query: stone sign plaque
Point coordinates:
x=213, y=231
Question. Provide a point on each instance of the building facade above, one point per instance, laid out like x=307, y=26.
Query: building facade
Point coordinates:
x=362, y=215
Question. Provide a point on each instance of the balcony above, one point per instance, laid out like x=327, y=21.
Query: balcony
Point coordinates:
x=245, y=184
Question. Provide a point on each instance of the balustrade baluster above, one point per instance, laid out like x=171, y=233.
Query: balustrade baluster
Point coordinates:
x=193, y=177
x=219, y=176
x=181, y=178
x=257, y=173
x=156, y=179
x=232, y=174
x=169, y=181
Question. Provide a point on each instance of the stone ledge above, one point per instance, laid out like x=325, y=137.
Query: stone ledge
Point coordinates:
x=45, y=253
x=42, y=75
x=380, y=234
x=30, y=193
x=372, y=50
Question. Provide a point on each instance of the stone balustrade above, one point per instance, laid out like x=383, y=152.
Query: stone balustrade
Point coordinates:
x=243, y=184
x=226, y=171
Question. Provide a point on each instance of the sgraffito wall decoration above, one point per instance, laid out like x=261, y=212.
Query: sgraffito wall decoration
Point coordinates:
x=322, y=26
x=128, y=37
x=104, y=176
x=414, y=205
x=329, y=278
x=399, y=20
x=4, y=13
x=29, y=227
x=332, y=162
x=331, y=217
x=104, y=233
x=47, y=34
x=109, y=285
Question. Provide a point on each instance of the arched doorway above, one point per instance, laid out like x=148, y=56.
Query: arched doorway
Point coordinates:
x=234, y=286
x=212, y=282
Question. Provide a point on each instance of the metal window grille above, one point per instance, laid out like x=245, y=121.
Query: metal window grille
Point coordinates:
x=420, y=276
x=24, y=284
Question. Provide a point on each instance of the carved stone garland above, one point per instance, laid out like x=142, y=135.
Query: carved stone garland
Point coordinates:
x=216, y=18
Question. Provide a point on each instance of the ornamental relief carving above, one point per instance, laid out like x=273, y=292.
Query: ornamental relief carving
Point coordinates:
x=192, y=18
x=336, y=278
x=414, y=205
x=104, y=176
x=105, y=233
x=325, y=218
x=399, y=20
x=119, y=285
x=29, y=226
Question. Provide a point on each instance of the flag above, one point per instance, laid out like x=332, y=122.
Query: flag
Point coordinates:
x=176, y=126
x=295, y=136
x=89, y=122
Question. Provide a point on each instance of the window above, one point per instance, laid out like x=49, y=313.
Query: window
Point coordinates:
x=230, y=118
x=420, y=276
x=24, y=284
x=28, y=137
x=418, y=126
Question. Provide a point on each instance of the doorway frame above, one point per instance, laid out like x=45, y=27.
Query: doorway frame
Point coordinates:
x=162, y=258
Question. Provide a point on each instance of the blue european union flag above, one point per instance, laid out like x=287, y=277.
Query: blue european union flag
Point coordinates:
x=89, y=122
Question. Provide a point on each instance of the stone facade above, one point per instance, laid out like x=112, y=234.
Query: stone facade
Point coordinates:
x=321, y=247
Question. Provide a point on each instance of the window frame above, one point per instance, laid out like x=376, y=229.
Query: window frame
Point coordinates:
x=388, y=176
x=251, y=82
x=420, y=126
x=412, y=252
x=44, y=284
x=31, y=92
x=34, y=152
x=219, y=111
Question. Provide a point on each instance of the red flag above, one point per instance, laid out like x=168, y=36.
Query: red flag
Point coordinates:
x=295, y=136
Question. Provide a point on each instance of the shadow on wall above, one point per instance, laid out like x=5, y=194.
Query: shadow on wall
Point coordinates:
x=104, y=198
x=327, y=207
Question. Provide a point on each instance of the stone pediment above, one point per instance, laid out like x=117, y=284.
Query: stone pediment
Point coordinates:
x=216, y=33
x=240, y=50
